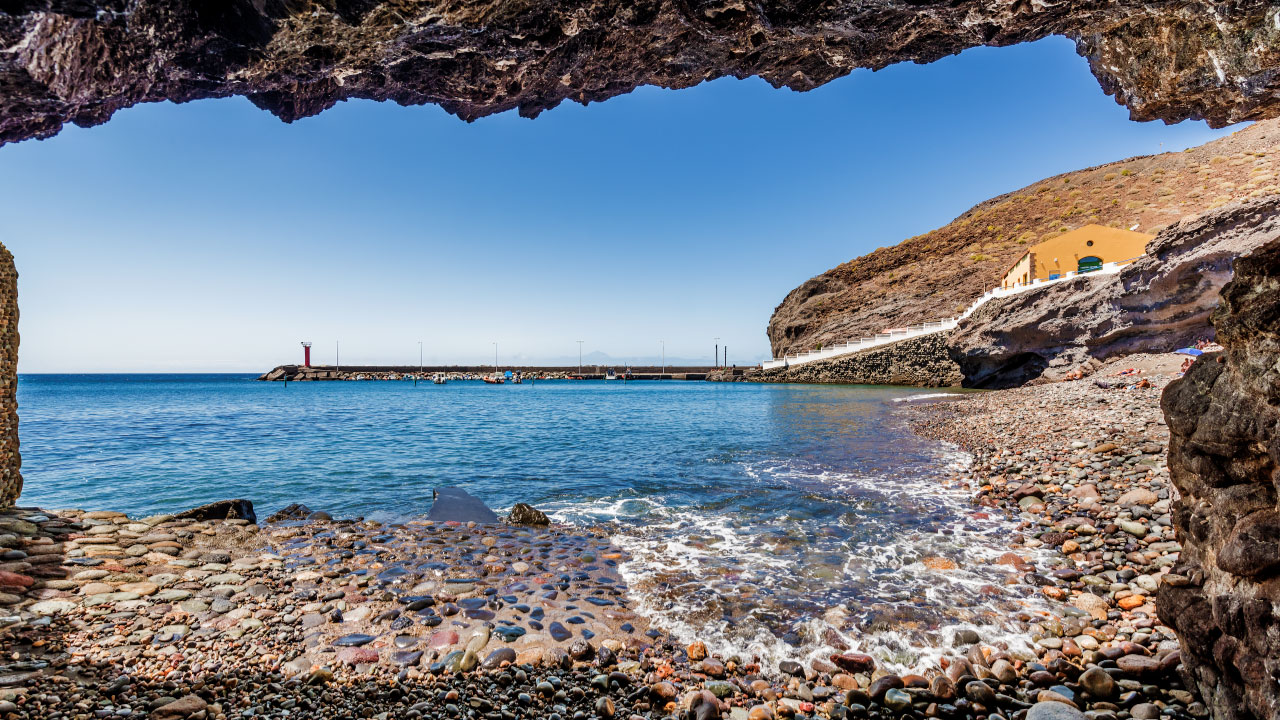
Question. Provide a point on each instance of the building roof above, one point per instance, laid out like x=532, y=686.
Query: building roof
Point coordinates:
x=1105, y=237
x=1095, y=232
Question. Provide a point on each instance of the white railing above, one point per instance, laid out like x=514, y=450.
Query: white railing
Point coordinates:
x=897, y=334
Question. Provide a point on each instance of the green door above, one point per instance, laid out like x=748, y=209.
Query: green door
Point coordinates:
x=1089, y=264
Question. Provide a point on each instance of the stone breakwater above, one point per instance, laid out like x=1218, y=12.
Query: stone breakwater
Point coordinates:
x=919, y=362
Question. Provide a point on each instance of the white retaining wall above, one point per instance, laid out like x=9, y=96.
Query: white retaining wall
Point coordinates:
x=928, y=328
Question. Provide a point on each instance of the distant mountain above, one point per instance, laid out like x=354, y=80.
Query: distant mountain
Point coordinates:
x=602, y=358
x=937, y=274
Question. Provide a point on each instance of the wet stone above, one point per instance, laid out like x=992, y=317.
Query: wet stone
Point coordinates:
x=406, y=657
x=559, y=632
x=509, y=633
x=353, y=640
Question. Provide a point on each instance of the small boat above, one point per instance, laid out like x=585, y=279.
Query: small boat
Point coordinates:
x=439, y=380
x=491, y=380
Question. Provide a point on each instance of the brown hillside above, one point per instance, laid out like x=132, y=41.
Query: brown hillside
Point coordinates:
x=937, y=274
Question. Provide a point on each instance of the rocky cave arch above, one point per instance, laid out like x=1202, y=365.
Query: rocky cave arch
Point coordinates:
x=79, y=61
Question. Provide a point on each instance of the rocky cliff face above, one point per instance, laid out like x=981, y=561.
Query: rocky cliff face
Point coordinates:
x=1224, y=457
x=81, y=60
x=1159, y=303
x=939, y=273
x=10, y=458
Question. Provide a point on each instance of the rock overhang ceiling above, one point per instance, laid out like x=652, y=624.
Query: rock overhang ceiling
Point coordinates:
x=79, y=61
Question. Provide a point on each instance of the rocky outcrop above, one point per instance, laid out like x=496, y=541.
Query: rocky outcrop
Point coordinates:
x=526, y=514
x=79, y=61
x=1159, y=303
x=1224, y=457
x=238, y=509
x=938, y=274
x=920, y=362
x=10, y=457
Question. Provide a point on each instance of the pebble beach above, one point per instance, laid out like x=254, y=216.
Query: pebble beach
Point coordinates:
x=304, y=616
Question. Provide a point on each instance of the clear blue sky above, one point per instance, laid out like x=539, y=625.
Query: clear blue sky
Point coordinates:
x=212, y=237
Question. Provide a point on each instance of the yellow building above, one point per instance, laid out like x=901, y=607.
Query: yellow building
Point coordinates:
x=1078, y=251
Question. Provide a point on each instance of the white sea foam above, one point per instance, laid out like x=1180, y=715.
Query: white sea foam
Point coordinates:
x=768, y=591
x=925, y=396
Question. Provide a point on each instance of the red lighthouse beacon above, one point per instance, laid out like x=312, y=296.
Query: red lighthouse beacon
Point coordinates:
x=306, y=354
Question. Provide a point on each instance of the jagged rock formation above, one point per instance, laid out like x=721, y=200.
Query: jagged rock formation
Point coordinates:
x=526, y=514
x=10, y=457
x=1223, y=596
x=238, y=509
x=938, y=274
x=921, y=362
x=81, y=60
x=1159, y=303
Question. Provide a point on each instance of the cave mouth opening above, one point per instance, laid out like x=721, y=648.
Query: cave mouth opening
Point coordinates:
x=81, y=62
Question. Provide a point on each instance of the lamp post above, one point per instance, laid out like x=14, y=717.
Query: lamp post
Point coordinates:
x=495, y=359
x=415, y=380
x=337, y=355
x=717, y=362
x=579, y=357
x=664, y=356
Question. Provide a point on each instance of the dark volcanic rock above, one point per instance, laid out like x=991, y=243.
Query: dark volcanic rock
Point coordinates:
x=221, y=510
x=1223, y=596
x=80, y=61
x=292, y=512
x=1159, y=303
x=525, y=514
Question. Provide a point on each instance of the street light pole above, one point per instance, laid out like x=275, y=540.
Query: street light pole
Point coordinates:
x=717, y=362
x=664, y=356
x=495, y=359
x=579, y=357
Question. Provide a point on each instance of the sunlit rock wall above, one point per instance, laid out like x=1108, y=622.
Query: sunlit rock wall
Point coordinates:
x=1223, y=596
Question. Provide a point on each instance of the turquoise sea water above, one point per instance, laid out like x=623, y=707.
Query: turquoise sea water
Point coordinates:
x=754, y=511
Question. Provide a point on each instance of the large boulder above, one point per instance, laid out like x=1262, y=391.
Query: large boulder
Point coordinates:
x=1223, y=595
x=525, y=514
x=238, y=509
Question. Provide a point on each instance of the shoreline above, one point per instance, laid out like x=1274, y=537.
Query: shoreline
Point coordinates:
x=185, y=611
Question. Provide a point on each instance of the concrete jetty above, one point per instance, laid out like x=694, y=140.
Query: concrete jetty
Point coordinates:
x=529, y=372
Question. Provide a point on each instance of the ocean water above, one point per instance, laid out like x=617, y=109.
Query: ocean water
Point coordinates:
x=769, y=520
